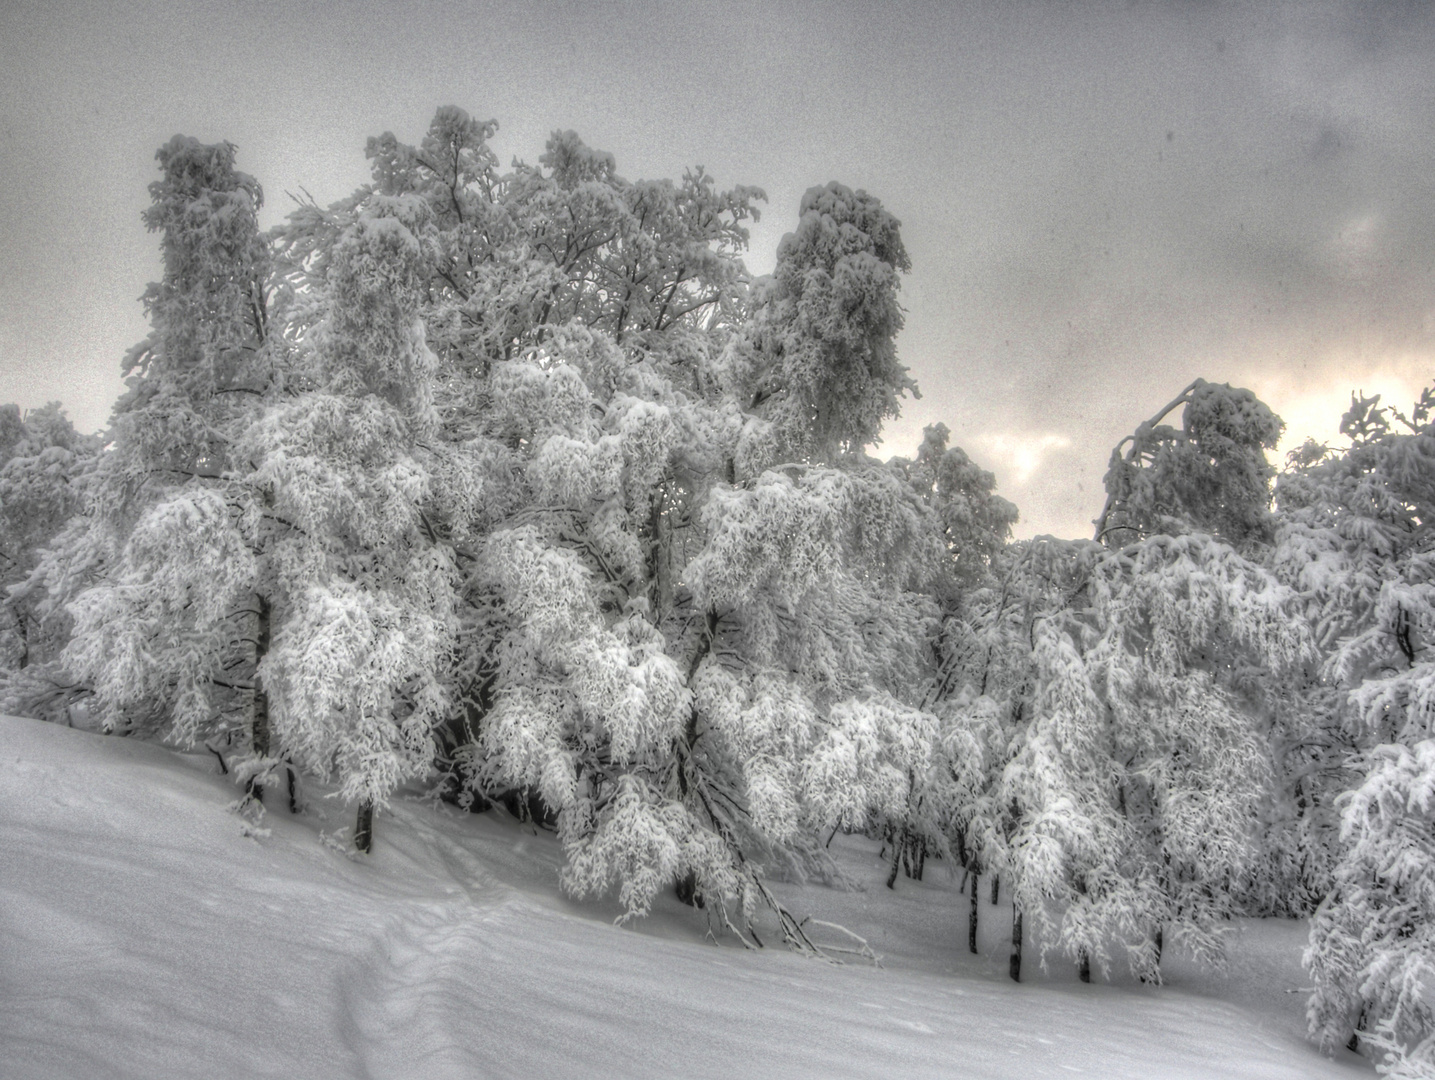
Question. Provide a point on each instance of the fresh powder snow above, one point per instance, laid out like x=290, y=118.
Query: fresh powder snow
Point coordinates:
x=148, y=930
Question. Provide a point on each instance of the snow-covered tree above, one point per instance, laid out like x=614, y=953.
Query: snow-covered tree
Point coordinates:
x=698, y=660
x=1109, y=684
x=363, y=594
x=44, y=464
x=252, y=564
x=826, y=374
x=160, y=571
x=973, y=527
x=565, y=241
x=699, y=666
x=1355, y=540
x=1210, y=475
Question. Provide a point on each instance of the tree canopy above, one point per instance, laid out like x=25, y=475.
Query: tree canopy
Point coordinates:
x=518, y=485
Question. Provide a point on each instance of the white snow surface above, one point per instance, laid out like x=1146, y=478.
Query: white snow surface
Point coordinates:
x=147, y=931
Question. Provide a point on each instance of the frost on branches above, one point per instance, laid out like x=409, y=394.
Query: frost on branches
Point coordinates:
x=1110, y=689
x=1356, y=541
x=565, y=502
x=159, y=569
x=364, y=619
x=249, y=568
x=518, y=480
x=44, y=466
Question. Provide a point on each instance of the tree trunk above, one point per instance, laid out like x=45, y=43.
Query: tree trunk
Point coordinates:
x=1354, y=1045
x=293, y=790
x=1158, y=938
x=259, y=721
x=657, y=585
x=972, y=917
x=1014, y=969
x=687, y=889
x=996, y=883
x=1083, y=966
x=364, y=827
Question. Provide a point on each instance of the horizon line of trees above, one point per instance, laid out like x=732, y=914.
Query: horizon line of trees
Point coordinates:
x=519, y=482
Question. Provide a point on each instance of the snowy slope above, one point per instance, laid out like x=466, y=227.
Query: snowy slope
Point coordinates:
x=144, y=934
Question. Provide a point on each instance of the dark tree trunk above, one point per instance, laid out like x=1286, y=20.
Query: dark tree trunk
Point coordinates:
x=688, y=891
x=293, y=790
x=1354, y=1045
x=364, y=827
x=1014, y=969
x=996, y=885
x=972, y=916
x=1158, y=938
x=24, y=637
x=657, y=585
x=1083, y=966
x=259, y=722
x=899, y=843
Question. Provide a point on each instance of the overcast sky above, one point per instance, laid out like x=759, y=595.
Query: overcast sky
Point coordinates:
x=1101, y=201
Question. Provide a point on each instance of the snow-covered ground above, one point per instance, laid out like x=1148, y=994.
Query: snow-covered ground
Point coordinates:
x=148, y=931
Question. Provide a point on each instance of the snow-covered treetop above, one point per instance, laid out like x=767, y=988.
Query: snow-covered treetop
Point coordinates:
x=1211, y=475
x=828, y=373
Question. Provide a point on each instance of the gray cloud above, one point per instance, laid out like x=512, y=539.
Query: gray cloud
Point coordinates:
x=1102, y=201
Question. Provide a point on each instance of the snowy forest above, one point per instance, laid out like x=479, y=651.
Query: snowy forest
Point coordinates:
x=516, y=486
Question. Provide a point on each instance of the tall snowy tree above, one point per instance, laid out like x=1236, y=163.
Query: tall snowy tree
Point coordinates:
x=698, y=661
x=1111, y=684
x=1356, y=542
x=253, y=566
x=364, y=595
x=826, y=374
x=973, y=527
x=161, y=568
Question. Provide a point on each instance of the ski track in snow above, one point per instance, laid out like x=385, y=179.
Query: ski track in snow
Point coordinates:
x=143, y=934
